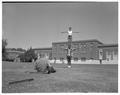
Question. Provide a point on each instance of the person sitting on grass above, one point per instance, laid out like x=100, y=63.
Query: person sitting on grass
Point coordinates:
x=43, y=65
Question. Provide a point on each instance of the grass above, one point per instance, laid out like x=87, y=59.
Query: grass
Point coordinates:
x=80, y=78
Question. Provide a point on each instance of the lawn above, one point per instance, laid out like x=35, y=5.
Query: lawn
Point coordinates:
x=80, y=78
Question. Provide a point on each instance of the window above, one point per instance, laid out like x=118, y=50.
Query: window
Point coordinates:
x=84, y=45
x=76, y=46
x=62, y=45
x=108, y=52
x=75, y=59
x=115, y=52
x=107, y=59
x=80, y=46
x=55, y=45
x=83, y=59
x=61, y=59
x=92, y=44
x=111, y=55
x=91, y=58
x=101, y=53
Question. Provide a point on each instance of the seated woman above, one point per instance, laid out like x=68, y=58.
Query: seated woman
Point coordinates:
x=43, y=65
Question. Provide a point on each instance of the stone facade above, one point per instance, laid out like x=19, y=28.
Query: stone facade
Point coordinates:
x=44, y=51
x=108, y=52
x=13, y=54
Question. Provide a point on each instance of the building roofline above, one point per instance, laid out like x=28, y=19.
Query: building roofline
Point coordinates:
x=13, y=51
x=78, y=41
x=108, y=45
x=50, y=48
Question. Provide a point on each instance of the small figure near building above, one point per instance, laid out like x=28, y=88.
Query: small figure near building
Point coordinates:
x=54, y=60
x=100, y=56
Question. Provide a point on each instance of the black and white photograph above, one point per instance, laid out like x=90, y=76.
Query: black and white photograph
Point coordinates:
x=59, y=47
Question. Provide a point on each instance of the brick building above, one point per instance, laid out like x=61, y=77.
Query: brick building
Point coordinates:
x=85, y=50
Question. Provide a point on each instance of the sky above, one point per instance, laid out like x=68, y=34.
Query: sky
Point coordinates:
x=37, y=25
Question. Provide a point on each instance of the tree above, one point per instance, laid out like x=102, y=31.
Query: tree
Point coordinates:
x=4, y=53
x=28, y=56
x=22, y=57
x=20, y=49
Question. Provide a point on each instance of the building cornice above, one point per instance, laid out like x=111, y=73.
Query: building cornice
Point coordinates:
x=108, y=45
x=91, y=40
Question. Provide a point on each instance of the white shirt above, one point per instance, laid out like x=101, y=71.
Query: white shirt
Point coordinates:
x=69, y=32
x=68, y=52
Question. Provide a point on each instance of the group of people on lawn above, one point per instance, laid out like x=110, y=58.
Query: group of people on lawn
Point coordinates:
x=43, y=65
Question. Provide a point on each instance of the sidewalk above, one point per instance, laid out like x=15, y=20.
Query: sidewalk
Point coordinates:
x=85, y=62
